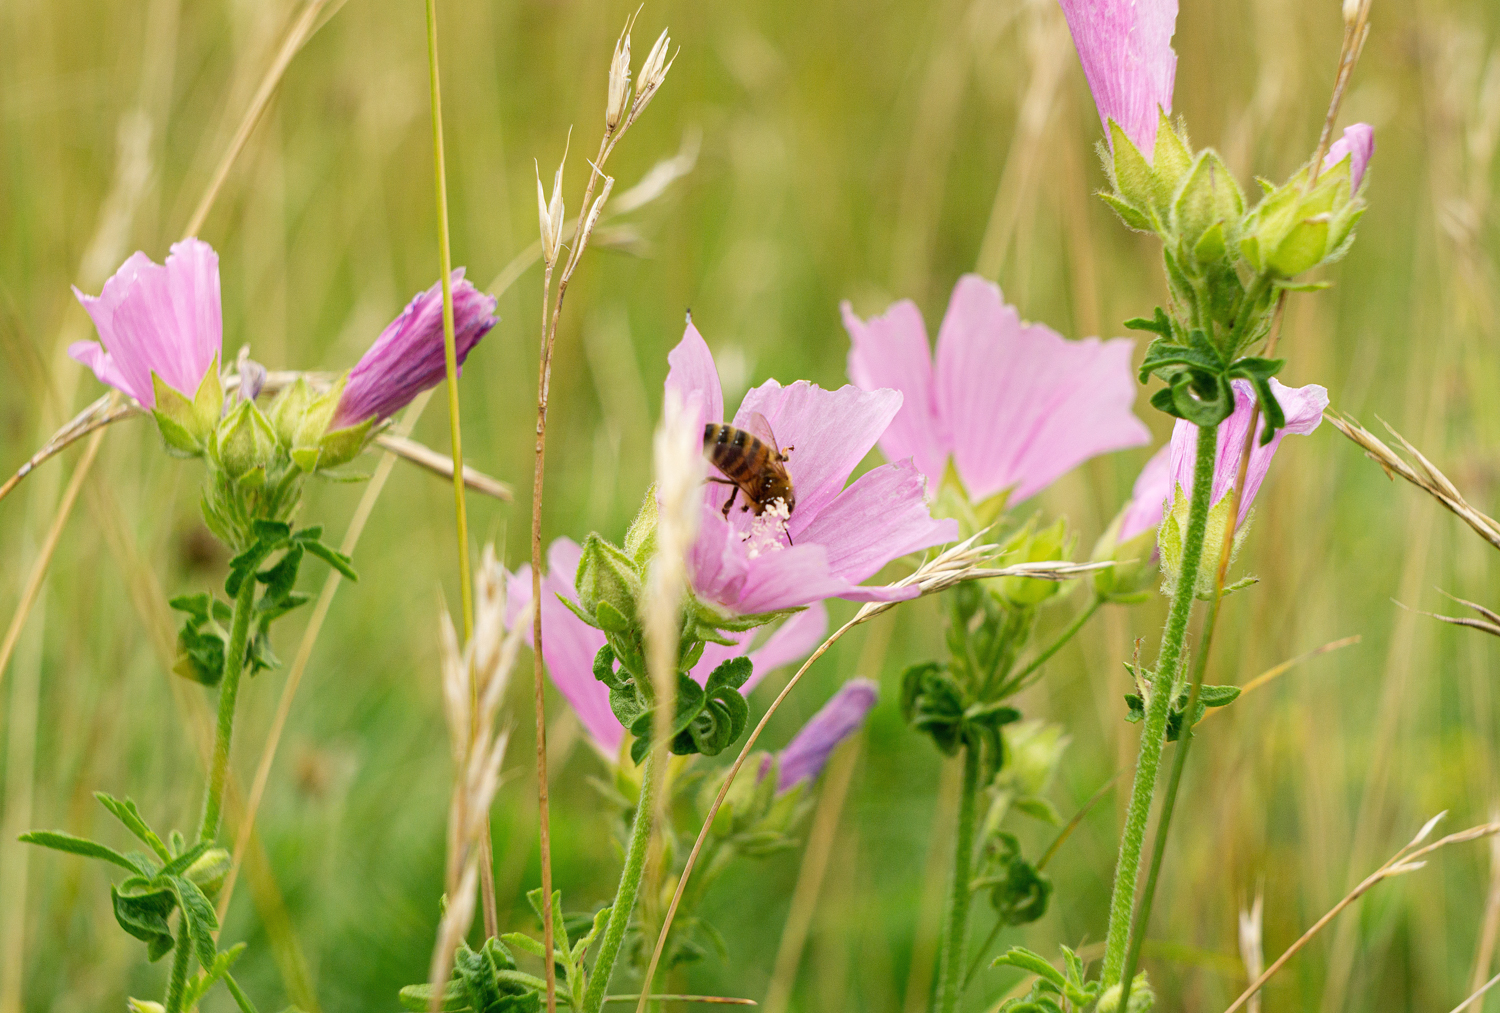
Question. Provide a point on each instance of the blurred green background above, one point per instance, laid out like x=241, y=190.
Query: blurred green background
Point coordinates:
x=860, y=149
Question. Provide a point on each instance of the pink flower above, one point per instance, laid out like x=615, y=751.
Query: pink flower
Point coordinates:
x=1015, y=405
x=569, y=645
x=408, y=357
x=805, y=756
x=156, y=318
x=838, y=537
x=1125, y=47
x=1148, y=498
x=1357, y=145
x=1303, y=407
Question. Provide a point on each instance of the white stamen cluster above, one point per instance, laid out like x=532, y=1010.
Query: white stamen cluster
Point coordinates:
x=767, y=529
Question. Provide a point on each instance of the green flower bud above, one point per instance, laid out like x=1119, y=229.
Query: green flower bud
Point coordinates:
x=1292, y=231
x=1142, y=998
x=1030, y=546
x=607, y=577
x=301, y=418
x=246, y=443
x=187, y=425
x=1169, y=540
x=209, y=871
x=1134, y=559
x=144, y=1006
x=1208, y=197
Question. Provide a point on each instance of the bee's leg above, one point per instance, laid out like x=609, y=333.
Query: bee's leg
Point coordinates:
x=785, y=451
x=733, y=492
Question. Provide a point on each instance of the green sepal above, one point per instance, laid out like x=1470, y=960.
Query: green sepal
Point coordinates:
x=1135, y=183
x=340, y=446
x=640, y=540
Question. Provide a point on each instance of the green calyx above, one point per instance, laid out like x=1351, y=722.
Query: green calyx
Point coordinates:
x=301, y=417
x=1170, y=538
x=609, y=585
x=1028, y=545
x=244, y=445
x=1144, y=190
x=1298, y=226
x=188, y=426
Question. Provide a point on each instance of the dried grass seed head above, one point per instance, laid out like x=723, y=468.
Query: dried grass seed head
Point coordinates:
x=653, y=73
x=619, y=81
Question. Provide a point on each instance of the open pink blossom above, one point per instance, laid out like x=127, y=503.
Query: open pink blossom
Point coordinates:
x=1303, y=408
x=834, y=537
x=805, y=756
x=409, y=357
x=1014, y=405
x=569, y=645
x=156, y=318
x=1148, y=498
x=1358, y=145
x=1125, y=47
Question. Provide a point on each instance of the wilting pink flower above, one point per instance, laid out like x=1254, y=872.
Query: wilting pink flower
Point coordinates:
x=1153, y=487
x=156, y=318
x=408, y=356
x=1015, y=405
x=569, y=645
x=804, y=757
x=1358, y=145
x=834, y=537
x=1125, y=47
x=1303, y=408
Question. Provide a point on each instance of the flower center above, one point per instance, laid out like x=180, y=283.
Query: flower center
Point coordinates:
x=767, y=529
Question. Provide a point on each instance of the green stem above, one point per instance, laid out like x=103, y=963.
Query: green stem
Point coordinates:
x=229, y=691
x=630, y=884
x=177, y=983
x=1164, y=821
x=956, y=932
x=1153, y=734
x=1058, y=644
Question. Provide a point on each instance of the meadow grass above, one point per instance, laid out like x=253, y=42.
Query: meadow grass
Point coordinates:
x=847, y=150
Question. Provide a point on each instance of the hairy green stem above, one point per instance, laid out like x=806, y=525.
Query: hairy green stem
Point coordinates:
x=630, y=884
x=229, y=691
x=181, y=960
x=956, y=932
x=1153, y=733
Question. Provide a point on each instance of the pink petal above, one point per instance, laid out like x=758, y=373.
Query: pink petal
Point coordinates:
x=716, y=562
x=799, y=576
x=1125, y=47
x=1153, y=487
x=881, y=517
x=1024, y=404
x=804, y=757
x=832, y=431
x=569, y=645
x=1358, y=145
x=695, y=378
x=892, y=351
x=1303, y=408
x=93, y=355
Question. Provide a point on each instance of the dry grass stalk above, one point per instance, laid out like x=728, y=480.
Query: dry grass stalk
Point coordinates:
x=474, y=682
x=964, y=561
x=653, y=73
x=1424, y=474
x=1477, y=995
x=1409, y=859
x=1485, y=951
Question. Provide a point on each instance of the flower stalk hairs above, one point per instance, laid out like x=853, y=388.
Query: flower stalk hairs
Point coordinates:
x=160, y=342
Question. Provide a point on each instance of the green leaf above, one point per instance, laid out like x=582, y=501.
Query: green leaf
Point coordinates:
x=418, y=998
x=1159, y=324
x=521, y=941
x=333, y=557
x=1218, y=696
x=202, y=923
x=1038, y=808
x=141, y=910
x=59, y=841
x=199, y=987
x=128, y=814
x=1035, y=963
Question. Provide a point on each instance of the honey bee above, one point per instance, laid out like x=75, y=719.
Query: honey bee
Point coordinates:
x=753, y=463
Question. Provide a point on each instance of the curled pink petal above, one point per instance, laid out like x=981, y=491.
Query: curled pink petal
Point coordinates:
x=1148, y=498
x=409, y=356
x=164, y=319
x=694, y=377
x=1303, y=408
x=1125, y=47
x=1358, y=145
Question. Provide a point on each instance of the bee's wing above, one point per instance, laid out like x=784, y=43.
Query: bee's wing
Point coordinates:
x=758, y=426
